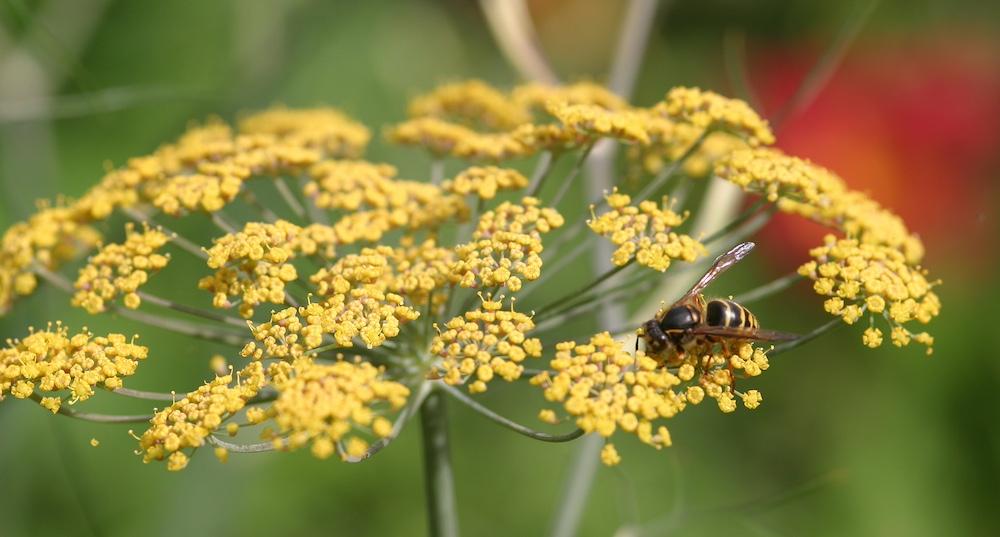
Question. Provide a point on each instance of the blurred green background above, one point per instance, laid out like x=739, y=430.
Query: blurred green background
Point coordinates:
x=849, y=441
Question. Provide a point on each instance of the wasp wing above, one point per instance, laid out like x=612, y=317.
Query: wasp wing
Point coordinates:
x=722, y=263
x=758, y=334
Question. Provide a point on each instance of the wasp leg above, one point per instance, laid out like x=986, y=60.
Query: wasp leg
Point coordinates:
x=729, y=367
x=679, y=357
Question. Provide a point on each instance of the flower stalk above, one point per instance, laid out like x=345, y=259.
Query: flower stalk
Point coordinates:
x=439, y=482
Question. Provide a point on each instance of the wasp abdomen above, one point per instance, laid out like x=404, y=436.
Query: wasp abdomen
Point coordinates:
x=726, y=313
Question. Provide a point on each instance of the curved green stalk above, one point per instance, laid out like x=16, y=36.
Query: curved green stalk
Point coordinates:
x=508, y=423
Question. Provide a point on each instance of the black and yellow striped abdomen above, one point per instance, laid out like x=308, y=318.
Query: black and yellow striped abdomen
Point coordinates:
x=726, y=313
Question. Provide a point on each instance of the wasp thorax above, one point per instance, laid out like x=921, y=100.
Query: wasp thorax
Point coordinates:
x=679, y=318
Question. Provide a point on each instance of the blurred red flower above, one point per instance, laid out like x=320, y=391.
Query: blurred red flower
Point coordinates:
x=914, y=124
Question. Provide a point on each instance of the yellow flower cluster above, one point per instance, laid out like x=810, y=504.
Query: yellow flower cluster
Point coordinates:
x=485, y=181
x=120, y=269
x=591, y=121
x=349, y=184
x=49, y=237
x=51, y=361
x=669, y=140
x=709, y=110
x=483, y=344
x=774, y=175
x=443, y=138
x=644, y=233
x=324, y=129
x=370, y=266
x=472, y=102
x=605, y=388
x=255, y=263
x=876, y=279
x=365, y=311
x=801, y=187
x=206, y=170
x=415, y=272
x=715, y=367
x=506, y=245
x=376, y=202
x=418, y=271
x=327, y=404
x=535, y=97
x=410, y=205
x=357, y=303
x=582, y=112
x=203, y=169
x=191, y=192
x=187, y=423
x=217, y=183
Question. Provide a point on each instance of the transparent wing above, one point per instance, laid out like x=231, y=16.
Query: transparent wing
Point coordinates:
x=759, y=334
x=722, y=263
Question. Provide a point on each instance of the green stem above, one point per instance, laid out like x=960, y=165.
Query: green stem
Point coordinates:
x=437, y=171
x=149, y=396
x=734, y=56
x=571, y=176
x=577, y=487
x=439, y=484
x=802, y=340
x=180, y=327
x=508, y=423
x=99, y=418
x=182, y=242
x=736, y=222
x=289, y=198
x=617, y=294
x=258, y=447
x=190, y=310
x=668, y=172
x=577, y=292
x=541, y=173
x=769, y=289
x=220, y=221
x=251, y=200
x=563, y=259
x=174, y=325
x=416, y=401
